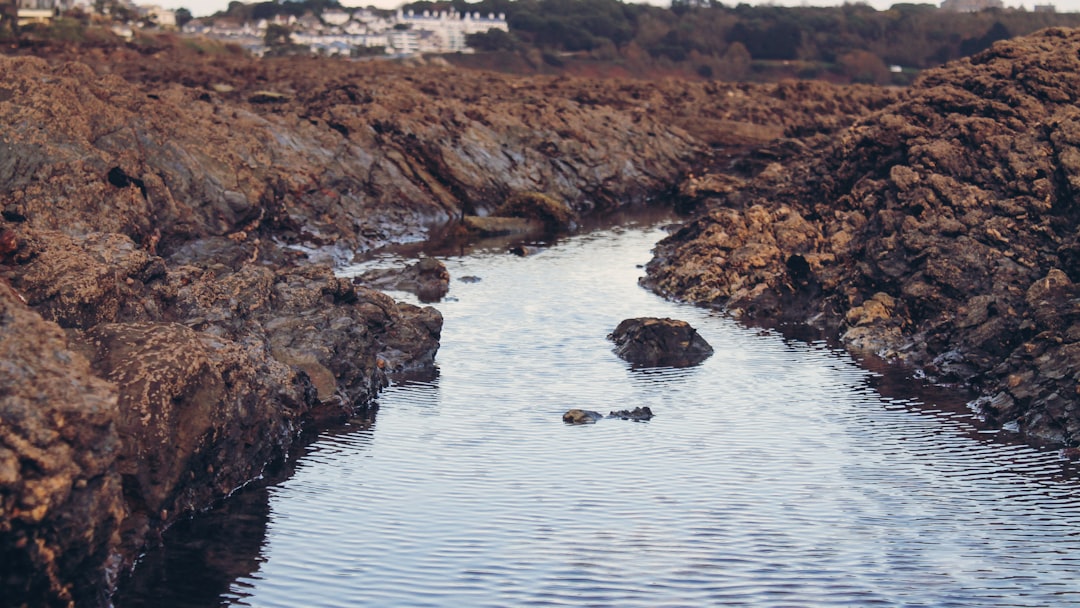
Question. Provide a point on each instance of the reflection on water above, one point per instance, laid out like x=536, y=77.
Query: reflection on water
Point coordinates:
x=774, y=474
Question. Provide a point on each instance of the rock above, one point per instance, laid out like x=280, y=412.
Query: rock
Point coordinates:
x=427, y=278
x=576, y=416
x=638, y=414
x=928, y=234
x=554, y=215
x=502, y=226
x=653, y=342
x=144, y=204
x=61, y=496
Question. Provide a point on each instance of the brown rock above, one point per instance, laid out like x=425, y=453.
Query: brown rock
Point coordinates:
x=957, y=200
x=652, y=342
x=61, y=499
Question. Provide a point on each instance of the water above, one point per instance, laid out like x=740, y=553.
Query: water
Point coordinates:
x=774, y=474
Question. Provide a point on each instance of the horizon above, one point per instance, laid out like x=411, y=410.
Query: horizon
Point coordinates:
x=203, y=8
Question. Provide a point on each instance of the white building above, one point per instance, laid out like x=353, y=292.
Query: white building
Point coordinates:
x=335, y=17
x=403, y=42
x=448, y=29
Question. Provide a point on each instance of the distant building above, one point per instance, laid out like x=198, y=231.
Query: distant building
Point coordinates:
x=971, y=6
x=163, y=17
x=448, y=29
x=1045, y=8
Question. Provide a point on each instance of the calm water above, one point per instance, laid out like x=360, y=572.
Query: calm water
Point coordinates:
x=774, y=474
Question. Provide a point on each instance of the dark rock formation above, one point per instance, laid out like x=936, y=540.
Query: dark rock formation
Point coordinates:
x=164, y=319
x=940, y=231
x=638, y=414
x=576, y=416
x=61, y=501
x=427, y=278
x=652, y=342
x=211, y=372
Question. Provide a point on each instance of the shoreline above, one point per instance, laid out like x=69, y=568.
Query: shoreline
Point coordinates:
x=171, y=324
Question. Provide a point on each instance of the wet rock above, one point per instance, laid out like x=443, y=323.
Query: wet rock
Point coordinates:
x=576, y=416
x=502, y=226
x=554, y=215
x=638, y=414
x=61, y=498
x=929, y=233
x=427, y=278
x=652, y=342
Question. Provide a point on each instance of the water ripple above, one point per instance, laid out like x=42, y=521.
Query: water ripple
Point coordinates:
x=773, y=475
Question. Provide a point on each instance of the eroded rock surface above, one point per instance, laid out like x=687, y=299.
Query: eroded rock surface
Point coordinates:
x=165, y=223
x=61, y=502
x=653, y=342
x=940, y=231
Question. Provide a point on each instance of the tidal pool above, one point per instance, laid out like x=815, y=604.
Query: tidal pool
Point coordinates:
x=776, y=473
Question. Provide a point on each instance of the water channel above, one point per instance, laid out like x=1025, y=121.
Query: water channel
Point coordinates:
x=777, y=473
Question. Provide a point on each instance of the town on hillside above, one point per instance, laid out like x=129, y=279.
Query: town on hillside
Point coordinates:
x=871, y=44
x=335, y=31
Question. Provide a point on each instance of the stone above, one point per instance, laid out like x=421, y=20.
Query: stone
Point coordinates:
x=638, y=414
x=654, y=342
x=427, y=278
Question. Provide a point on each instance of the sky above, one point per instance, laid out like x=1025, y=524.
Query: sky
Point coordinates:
x=201, y=8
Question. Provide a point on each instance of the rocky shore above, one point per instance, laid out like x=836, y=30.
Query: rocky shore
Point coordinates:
x=940, y=232
x=170, y=219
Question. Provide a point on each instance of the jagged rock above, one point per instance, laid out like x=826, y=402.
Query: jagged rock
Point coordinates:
x=61, y=497
x=653, y=342
x=144, y=202
x=427, y=278
x=940, y=231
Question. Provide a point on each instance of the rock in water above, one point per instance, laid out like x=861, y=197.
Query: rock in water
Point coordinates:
x=638, y=414
x=653, y=342
x=576, y=416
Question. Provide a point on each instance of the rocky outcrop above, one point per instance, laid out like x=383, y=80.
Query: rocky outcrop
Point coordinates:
x=940, y=231
x=427, y=278
x=653, y=342
x=200, y=372
x=167, y=319
x=61, y=498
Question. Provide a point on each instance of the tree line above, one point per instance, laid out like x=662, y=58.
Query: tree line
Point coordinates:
x=856, y=37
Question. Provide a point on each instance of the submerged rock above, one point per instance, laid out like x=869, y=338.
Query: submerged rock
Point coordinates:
x=653, y=342
x=638, y=414
x=576, y=416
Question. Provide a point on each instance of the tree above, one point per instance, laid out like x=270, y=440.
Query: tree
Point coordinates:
x=277, y=35
x=183, y=16
x=864, y=67
x=492, y=40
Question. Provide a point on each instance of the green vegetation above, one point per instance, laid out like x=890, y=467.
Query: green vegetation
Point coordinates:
x=852, y=42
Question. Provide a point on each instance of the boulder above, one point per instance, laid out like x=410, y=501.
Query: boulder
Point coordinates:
x=638, y=414
x=427, y=278
x=654, y=342
x=576, y=416
x=61, y=498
